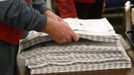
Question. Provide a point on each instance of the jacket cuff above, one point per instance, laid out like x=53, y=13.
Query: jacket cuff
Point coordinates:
x=43, y=8
x=42, y=23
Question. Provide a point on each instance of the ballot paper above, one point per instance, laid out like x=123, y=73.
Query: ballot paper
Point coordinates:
x=93, y=29
x=98, y=49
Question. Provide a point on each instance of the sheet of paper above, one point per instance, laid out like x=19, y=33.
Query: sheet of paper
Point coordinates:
x=99, y=49
x=93, y=25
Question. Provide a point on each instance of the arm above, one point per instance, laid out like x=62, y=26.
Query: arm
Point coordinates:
x=39, y=5
x=55, y=27
x=19, y=14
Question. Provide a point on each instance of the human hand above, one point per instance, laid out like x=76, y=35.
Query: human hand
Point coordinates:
x=52, y=15
x=60, y=31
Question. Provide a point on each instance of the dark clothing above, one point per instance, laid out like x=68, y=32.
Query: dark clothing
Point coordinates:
x=10, y=33
x=86, y=1
x=83, y=9
x=89, y=10
x=7, y=58
x=24, y=16
x=66, y=8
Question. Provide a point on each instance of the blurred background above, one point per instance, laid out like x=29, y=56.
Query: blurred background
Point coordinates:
x=115, y=11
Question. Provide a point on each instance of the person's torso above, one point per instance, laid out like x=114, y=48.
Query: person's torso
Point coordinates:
x=11, y=34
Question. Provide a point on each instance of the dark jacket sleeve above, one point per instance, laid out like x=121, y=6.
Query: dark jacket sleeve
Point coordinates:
x=39, y=5
x=21, y=15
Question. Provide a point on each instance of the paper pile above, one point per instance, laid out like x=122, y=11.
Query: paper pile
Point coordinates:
x=98, y=49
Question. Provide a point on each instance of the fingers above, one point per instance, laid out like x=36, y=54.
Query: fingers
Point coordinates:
x=60, y=31
x=65, y=38
x=60, y=41
x=70, y=35
x=74, y=36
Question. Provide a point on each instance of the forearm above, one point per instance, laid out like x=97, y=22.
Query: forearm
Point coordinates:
x=17, y=13
x=40, y=5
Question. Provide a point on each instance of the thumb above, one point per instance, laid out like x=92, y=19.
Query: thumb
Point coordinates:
x=75, y=37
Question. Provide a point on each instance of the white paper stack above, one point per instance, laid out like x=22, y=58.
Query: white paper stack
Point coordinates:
x=98, y=49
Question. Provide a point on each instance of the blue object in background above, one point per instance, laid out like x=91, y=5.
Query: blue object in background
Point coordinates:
x=116, y=3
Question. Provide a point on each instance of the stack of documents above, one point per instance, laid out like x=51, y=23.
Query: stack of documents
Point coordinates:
x=98, y=49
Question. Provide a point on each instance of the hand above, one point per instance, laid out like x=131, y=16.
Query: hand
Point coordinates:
x=50, y=14
x=60, y=31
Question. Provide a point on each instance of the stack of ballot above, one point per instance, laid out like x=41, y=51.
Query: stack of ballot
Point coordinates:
x=98, y=49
